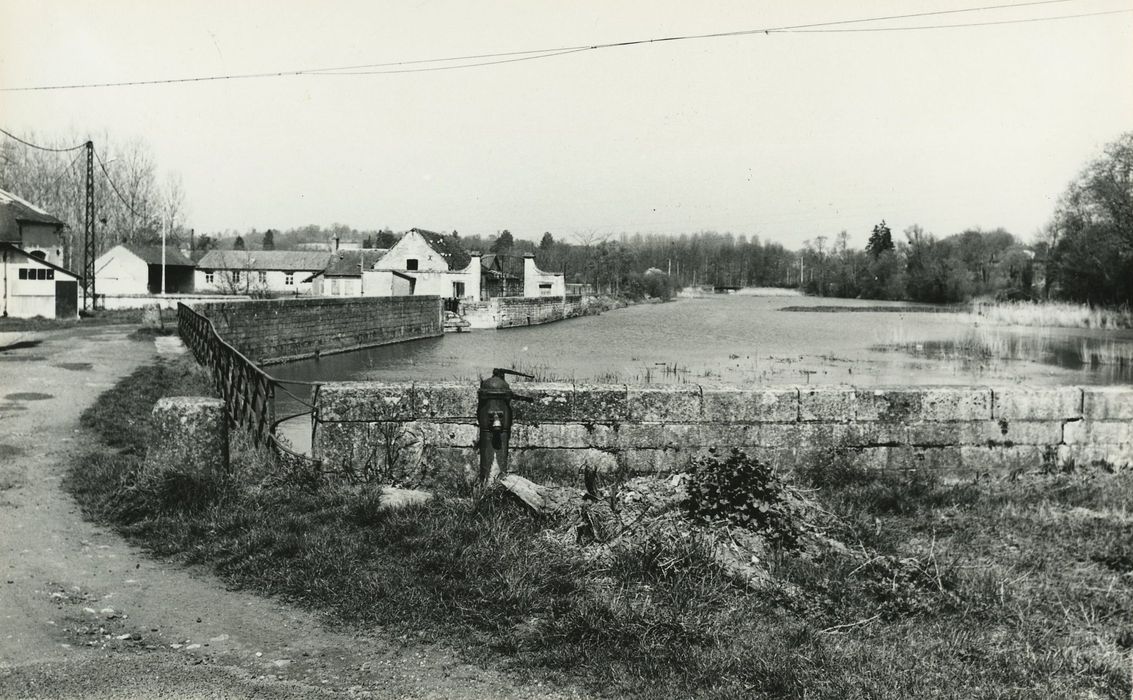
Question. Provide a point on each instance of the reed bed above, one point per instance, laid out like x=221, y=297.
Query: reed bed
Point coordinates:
x=1054, y=314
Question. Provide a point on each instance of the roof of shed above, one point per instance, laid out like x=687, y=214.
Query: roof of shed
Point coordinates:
x=286, y=260
x=348, y=263
x=152, y=255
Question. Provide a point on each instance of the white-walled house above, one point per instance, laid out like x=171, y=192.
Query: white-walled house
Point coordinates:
x=31, y=229
x=350, y=273
x=134, y=270
x=32, y=286
x=436, y=264
x=258, y=271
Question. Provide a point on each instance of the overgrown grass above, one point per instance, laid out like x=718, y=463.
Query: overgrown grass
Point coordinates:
x=1013, y=588
x=1054, y=314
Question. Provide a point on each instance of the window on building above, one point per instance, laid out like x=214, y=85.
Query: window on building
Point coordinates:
x=263, y=277
x=458, y=289
x=411, y=264
x=36, y=273
x=334, y=288
x=289, y=278
x=208, y=277
x=235, y=275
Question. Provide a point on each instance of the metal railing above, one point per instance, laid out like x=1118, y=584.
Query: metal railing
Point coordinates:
x=248, y=392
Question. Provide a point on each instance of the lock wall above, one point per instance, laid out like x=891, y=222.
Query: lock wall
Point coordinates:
x=428, y=431
x=277, y=330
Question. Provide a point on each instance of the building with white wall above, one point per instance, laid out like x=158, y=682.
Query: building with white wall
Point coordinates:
x=32, y=286
x=436, y=264
x=257, y=272
x=134, y=270
x=351, y=273
x=31, y=229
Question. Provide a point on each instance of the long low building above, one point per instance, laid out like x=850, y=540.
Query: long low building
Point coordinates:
x=258, y=271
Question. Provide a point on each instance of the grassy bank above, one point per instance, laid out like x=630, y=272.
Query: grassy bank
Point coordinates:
x=96, y=318
x=1013, y=588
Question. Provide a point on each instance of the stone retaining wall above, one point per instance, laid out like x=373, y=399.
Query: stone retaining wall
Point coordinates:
x=513, y=312
x=277, y=330
x=960, y=431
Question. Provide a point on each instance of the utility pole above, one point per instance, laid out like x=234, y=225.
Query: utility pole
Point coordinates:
x=162, y=253
x=90, y=250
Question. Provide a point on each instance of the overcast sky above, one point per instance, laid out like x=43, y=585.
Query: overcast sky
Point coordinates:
x=786, y=135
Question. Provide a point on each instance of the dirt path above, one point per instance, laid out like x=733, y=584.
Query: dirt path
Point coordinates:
x=83, y=614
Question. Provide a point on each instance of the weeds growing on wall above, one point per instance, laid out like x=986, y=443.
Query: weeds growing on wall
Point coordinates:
x=1009, y=588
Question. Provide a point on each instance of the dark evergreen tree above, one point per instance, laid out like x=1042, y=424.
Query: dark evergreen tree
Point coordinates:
x=880, y=240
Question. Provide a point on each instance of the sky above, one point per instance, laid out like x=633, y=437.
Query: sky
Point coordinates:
x=785, y=136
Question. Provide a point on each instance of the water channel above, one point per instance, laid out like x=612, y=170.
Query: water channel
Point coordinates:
x=748, y=341
x=745, y=340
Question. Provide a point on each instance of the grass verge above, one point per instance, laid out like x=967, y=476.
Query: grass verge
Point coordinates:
x=1014, y=588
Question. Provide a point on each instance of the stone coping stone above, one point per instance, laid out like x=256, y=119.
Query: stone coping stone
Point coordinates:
x=558, y=402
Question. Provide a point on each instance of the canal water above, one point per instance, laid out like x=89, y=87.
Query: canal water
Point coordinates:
x=746, y=341
x=750, y=341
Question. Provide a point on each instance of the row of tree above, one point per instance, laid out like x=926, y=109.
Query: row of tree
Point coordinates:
x=132, y=198
x=1086, y=254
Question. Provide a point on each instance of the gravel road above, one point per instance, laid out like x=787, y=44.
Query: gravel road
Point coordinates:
x=85, y=615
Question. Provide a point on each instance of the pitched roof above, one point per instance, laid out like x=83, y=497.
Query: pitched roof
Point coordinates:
x=286, y=260
x=16, y=249
x=152, y=254
x=447, y=247
x=15, y=211
x=348, y=263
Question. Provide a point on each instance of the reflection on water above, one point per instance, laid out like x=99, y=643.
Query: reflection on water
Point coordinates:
x=749, y=341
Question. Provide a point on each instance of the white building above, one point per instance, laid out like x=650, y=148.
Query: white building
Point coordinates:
x=31, y=229
x=350, y=273
x=32, y=286
x=133, y=270
x=258, y=271
x=436, y=264
x=34, y=281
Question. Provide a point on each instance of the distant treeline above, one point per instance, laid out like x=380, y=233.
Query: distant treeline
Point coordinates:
x=1086, y=253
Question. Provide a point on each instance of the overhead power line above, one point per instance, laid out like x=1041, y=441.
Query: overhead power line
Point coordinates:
x=41, y=148
x=114, y=187
x=956, y=26
x=532, y=54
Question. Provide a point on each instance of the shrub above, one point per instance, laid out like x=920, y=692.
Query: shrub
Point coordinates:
x=736, y=489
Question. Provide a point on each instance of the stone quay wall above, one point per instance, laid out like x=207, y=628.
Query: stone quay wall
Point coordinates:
x=418, y=428
x=277, y=330
x=513, y=312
